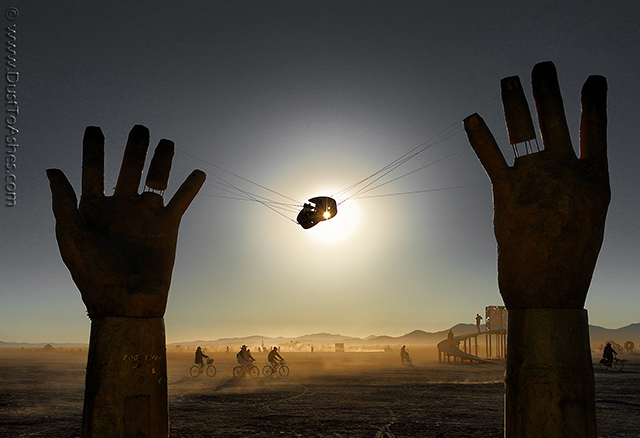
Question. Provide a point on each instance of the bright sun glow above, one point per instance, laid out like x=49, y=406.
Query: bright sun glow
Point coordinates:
x=339, y=227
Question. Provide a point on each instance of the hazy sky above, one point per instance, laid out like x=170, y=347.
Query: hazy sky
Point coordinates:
x=307, y=98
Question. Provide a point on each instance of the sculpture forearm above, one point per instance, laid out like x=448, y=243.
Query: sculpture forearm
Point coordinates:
x=126, y=380
x=549, y=376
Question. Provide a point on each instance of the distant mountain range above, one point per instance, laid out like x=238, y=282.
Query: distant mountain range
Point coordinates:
x=630, y=332
x=416, y=337
x=28, y=345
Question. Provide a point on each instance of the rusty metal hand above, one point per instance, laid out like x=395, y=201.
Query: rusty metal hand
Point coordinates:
x=120, y=249
x=549, y=207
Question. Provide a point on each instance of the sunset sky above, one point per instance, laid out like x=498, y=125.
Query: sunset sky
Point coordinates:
x=307, y=98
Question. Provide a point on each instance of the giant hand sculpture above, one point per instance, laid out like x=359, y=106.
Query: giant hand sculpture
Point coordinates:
x=549, y=218
x=120, y=251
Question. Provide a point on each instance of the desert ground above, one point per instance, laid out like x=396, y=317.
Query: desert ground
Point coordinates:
x=327, y=394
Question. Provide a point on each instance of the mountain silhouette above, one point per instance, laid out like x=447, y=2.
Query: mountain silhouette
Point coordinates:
x=598, y=334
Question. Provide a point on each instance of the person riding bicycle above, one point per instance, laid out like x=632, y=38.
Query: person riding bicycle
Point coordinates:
x=273, y=357
x=404, y=355
x=244, y=358
x=608, y=353
x=200, y=356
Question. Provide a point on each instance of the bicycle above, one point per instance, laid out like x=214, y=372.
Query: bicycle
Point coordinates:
x=616, y=364
x=209, y=369
x=280, y=367
x=252, y=371
x=406, y=360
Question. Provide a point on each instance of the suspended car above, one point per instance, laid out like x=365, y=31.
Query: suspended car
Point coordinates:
x=321, y=208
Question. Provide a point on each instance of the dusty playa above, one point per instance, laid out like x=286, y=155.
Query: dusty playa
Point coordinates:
x=326, y=395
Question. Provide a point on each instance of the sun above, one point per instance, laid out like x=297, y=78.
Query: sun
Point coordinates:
x=338, y=228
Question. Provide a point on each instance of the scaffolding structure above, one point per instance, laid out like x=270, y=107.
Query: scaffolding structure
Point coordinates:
x=464, y=348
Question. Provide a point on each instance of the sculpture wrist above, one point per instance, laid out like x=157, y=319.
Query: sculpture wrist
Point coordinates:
x=150, y=303
x=126, y=380
x=549, y=374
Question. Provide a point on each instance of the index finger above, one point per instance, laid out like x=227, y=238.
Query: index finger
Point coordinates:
x=185, y=194
x=485, y=147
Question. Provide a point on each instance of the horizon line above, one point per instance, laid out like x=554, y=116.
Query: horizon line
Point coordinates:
x=364, y=338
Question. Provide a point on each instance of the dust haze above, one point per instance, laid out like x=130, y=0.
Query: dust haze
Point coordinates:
x=361, y=392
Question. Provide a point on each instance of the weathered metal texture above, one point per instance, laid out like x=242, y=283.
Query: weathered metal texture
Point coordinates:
x=549, y=375
x=516, y=111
